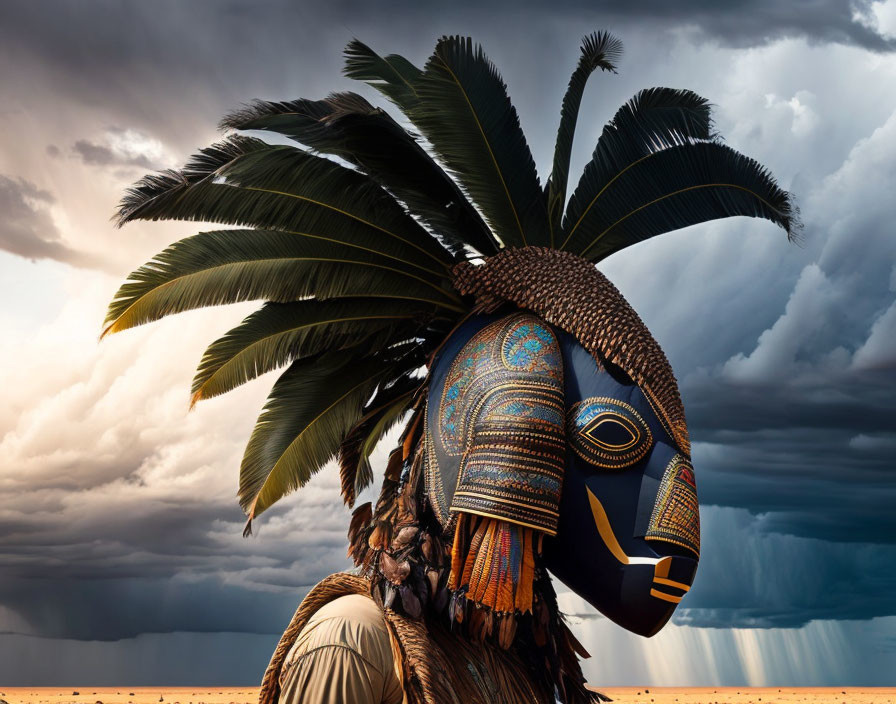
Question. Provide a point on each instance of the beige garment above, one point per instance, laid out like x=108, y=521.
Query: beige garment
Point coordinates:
x=343, y=655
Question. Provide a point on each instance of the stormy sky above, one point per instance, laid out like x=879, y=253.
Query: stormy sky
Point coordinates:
x=121, y=559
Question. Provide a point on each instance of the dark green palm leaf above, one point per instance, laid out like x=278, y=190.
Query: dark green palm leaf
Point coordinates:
x=347, y=126
x=227, y=266
x=465, y=113
x=680, y=186
x=393, y=75
x=599, y=51
x=310, y=410
x=380, y=416
x=250, y=183
x=139, y=200
x=652, y=120
x=279, y=333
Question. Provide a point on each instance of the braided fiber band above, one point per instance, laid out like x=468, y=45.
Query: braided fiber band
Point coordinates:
x=569, y=292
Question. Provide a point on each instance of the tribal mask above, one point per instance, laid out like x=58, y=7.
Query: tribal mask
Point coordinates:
x=528, y=428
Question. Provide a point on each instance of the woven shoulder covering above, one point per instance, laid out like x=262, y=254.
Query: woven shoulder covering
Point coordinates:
x=447, y=668
x=332, y=587
x=569, y=292
x=439, y=667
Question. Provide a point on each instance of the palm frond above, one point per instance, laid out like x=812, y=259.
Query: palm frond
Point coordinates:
x=380, y=416
x=681, y=186
x=227, y=266
x=248, y=182
x=465, y=113
x=310, y=410
x=279, y=333
x=347, y=126
x=600, y=50
x=139, y=200
x=393, y=75
x=652, y=120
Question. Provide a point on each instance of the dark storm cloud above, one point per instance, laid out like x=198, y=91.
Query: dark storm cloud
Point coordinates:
x=750, y=577
x=101, y=155
x=799, y=426
x=131, y=557
x=202, y=661
x=116, y=608
x=27, y=228
x=123, y=31
x=157, y=59
x=746, y=22
x=813, y=484
x=183, y=566
x=739, y=23
x=817, y=461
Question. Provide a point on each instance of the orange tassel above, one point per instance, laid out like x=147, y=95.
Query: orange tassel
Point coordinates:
x=527, y=574
x=495, y=561
x=411, y=434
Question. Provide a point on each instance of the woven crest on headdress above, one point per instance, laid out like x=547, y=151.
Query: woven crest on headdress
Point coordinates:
x=569, y=292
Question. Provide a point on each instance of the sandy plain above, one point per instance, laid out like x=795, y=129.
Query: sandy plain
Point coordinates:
x=623, y=695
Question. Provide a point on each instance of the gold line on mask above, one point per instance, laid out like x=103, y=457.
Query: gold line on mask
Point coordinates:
x=606, y=533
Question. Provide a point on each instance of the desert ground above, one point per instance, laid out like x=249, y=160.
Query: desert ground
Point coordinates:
x=624, y=695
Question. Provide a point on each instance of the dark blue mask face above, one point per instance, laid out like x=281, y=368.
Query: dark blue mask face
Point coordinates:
x=628, y=535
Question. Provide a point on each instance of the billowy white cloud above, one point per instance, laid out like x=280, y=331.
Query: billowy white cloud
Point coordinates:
x=879, y=16
x=27, y=225
x=123, y=149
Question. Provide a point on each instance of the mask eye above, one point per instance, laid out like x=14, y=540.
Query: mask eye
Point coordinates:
x=607, y=433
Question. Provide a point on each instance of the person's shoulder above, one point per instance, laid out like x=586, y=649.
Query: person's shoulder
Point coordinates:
x=353, y=621
x=358, y=608
x=343, y=653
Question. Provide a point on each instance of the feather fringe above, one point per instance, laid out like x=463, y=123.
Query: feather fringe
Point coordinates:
x=493, y=567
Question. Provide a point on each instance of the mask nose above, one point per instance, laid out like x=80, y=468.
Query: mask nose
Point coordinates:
x=675, y=517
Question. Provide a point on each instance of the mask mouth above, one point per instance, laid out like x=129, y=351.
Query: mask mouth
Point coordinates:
x=653, y=586
x=673, y=576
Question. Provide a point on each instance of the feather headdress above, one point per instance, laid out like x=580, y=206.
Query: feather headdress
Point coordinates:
x=369, y=244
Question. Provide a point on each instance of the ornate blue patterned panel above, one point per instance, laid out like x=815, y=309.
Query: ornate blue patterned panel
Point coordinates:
x=500, y=426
